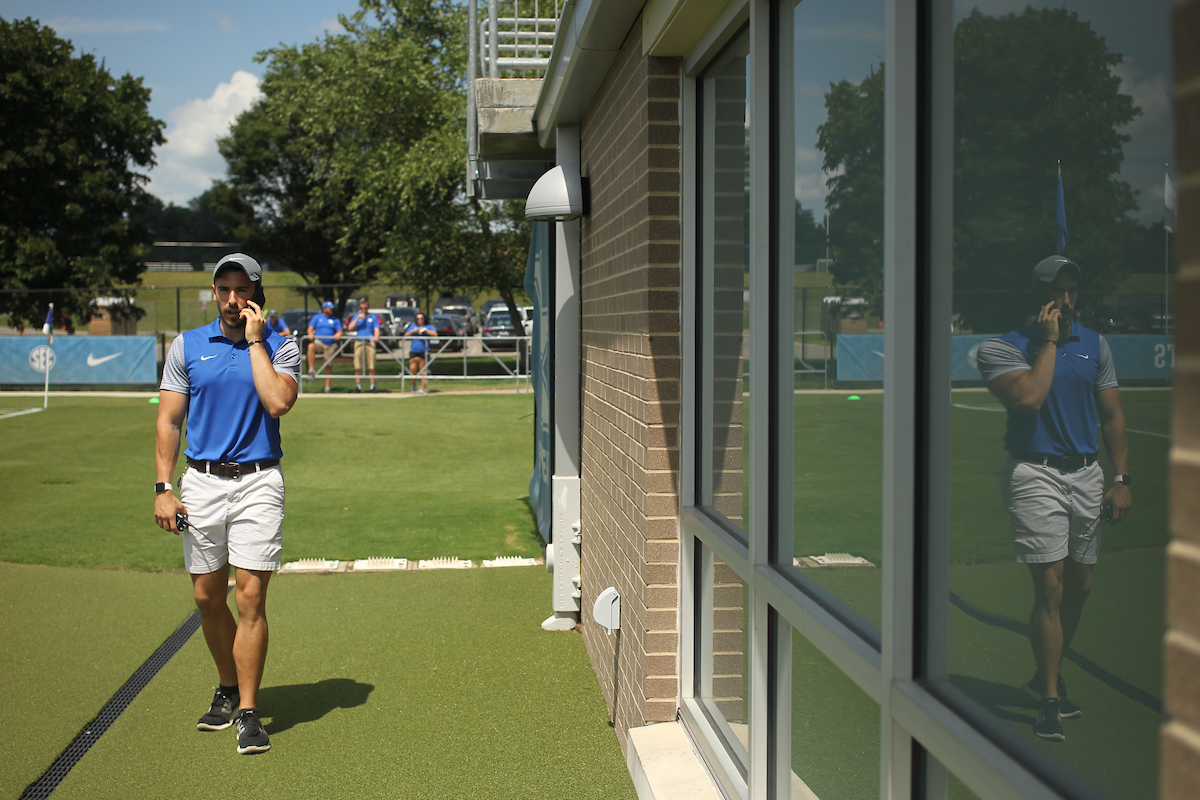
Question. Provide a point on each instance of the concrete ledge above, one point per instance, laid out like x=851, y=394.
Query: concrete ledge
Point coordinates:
x=664, y=766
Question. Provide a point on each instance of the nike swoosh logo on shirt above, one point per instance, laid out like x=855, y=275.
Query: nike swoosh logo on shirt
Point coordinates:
x=206, y=358
x=92, y=361
x=1081, y=355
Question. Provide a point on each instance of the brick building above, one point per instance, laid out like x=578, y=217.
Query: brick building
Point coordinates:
x=682, y=468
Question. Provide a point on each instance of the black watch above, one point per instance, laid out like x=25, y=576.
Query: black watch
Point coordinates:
x=1125, y=479
x=159, y=488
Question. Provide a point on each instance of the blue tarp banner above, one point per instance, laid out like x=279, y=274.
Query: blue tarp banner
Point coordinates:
x=1138, y=357
x=78, y=359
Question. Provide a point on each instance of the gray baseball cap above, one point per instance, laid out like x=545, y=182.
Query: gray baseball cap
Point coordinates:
x=1048, y=268
x=244, y=262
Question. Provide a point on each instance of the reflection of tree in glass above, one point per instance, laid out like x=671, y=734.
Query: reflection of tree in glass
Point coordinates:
x=1031, y=90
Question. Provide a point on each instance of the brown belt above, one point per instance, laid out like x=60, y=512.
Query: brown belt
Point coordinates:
x=230, y=469
x=1060, y=463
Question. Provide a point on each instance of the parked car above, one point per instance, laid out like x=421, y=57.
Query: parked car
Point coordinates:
x=447, y=300
x=408, y=300
x=297, y=320
x=498, y=331
x=527, y=318
x=466, y=314
x=402, y=317
x=448, y=325
x=490, y=306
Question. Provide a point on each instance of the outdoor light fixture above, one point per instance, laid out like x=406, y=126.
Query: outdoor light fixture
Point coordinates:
x=558, y=195
x=607, y=610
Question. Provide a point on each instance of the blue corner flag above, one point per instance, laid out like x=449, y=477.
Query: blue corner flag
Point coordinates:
x=1060, y=216
x=49, y=326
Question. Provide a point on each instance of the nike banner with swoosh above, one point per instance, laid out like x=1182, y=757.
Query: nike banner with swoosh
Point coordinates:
x=1140, y=357
x=81, y=360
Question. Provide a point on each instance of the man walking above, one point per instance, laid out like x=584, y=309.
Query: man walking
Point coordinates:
x=230, y=380
x=366, y=335
x=324, y=330
x=1057, y=382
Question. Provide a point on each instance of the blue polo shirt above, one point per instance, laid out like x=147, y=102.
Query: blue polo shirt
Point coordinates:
x=325, y=327
x=365, y=328
x=1067, y=423
x=419, y=346
x=279, y=326
x=225, y=419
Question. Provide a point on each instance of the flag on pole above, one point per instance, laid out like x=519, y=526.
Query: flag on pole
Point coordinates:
x=1060, y=216
x=48, y=327
x=1168, y=198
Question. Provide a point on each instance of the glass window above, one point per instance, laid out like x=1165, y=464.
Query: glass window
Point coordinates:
x=724, y=654
x=838, y=249
x=1060, y=255
x=835, y=730
x=725, y=263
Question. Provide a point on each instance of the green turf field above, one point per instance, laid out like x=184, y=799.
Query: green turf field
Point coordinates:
x=409, y=478
x=413, y=684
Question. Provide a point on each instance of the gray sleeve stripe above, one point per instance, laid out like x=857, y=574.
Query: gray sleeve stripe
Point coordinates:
x=175, y=377
x=1106, y=375
x=287, y=359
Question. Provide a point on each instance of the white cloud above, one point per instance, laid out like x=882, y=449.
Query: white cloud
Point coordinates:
x=189, y=161
x=81, y=26
x=228, y=25
x=844, y=32
x=1150, y=95
x=329, y=25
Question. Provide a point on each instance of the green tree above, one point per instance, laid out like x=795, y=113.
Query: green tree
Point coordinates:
x=351, y=166
x=71, y=140
x=852, y=142
x=1030, y=90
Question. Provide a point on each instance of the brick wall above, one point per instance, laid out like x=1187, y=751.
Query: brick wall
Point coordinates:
x=1181, y=736
x=629, y=287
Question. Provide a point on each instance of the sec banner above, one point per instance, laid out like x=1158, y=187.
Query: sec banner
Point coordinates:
x=78, y=360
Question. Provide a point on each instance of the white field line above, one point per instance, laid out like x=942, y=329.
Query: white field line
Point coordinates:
x=5, y=413
x=1127, y=430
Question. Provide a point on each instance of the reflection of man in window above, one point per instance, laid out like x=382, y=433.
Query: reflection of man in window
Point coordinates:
x=1057, y=380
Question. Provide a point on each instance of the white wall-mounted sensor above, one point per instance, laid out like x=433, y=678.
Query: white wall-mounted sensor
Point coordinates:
x=557, y=195
x=607, y=610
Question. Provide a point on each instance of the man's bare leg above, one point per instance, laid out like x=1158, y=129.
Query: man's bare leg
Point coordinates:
x=1077, y=585
x=217, y=621
x=250, y=645
x=1045, y=623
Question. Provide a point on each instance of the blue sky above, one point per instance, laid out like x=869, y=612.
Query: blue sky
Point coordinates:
x=197, y=58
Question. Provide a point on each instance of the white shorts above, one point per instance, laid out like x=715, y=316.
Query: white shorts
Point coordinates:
x=233, y=521
x=1053, y=515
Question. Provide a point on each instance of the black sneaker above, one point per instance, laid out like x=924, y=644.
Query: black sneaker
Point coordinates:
x=1048, y=725
x=1066, y=709
x=251, y=736
x=220, y=715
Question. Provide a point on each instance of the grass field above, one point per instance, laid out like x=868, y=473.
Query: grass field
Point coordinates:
x=448, y=476
x=415, y=685
x=409, y=478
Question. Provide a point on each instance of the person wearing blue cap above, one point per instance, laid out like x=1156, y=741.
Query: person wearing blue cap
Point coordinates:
x=324, y=331
x=230, y=380
x=1058, y=384
x=278, y=325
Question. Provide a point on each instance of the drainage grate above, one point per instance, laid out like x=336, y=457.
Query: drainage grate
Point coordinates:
x=444, y=563
x=509, y=561
x=52, y=777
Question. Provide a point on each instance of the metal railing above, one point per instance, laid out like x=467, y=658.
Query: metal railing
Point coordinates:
x=518, y=43
x=507, y=358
